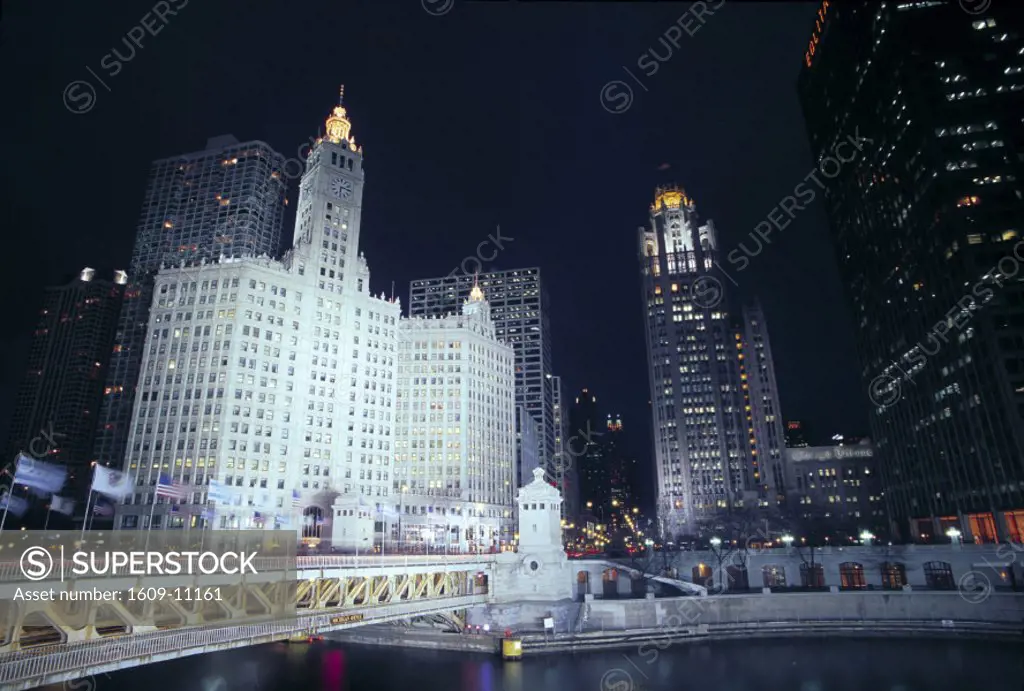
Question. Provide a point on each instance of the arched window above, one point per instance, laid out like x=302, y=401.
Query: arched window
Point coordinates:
x=702, y=576
x=312, y=522
x=610, y=583
x=939, y=575
x=774, y=576
x=736, y=578
x=894, y=575
x=812, y=576
x=851, y=576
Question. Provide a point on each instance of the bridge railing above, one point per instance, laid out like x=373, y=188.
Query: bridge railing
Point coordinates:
x=334, y=561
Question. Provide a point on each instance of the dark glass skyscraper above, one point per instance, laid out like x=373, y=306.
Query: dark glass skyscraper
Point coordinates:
x=927, y=222
x=584, y=441
x=59, y=399
x=227, y=200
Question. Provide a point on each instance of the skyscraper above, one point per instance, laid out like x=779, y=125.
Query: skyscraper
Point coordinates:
x=584, y=442
x=273, y=377
x=925, y=220
x=761, y=405
x=224, y=201
x=519, y=308
x=621, y=465
x=59, y=399
x=563, y=460
x=455, y=421
x=310, y=403
x=715, y=446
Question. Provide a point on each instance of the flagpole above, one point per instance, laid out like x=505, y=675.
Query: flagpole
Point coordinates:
x=202, y=534
x=10, y=491
x=85, y=517
x=7, y=506
x=152, y=510
x=49, y=508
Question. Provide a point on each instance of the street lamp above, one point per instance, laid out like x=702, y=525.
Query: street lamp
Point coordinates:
x=866, y=537
x=954, y=536
x=401, y=508
x=716, y=542
x=480, y=527
x=787, y=540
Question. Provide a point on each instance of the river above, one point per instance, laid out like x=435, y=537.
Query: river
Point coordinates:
x=836, y=664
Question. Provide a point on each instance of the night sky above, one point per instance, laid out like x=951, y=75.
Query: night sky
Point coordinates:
x=487, y=115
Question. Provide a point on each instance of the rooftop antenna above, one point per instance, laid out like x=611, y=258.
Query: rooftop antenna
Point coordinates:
x=392, y=291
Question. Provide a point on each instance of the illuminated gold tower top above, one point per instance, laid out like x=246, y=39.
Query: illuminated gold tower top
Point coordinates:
x=339, y=127
x=671, y=197
x=476, y=295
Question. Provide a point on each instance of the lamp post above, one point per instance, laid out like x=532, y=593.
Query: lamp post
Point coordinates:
x=787, y=540
x=716, y=549
x=401, y=508
x=954, y=536
x=480, y=527
x=866, y=537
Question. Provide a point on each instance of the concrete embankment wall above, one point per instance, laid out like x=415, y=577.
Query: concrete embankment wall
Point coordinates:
x=618, y=624
x=1005, y=609
x=393, y=636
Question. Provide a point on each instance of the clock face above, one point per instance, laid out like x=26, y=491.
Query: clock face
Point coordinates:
x=340, y=187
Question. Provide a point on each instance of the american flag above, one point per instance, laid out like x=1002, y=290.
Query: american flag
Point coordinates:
x=166, y=487
x=296, y=499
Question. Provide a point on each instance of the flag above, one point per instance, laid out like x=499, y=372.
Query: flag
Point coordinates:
x=45, y=477
x=218, y=492
x=166, y=487
x=296, y=499
x=103, y=509
x=16, y=505
x=111, y=483
x=64, y=505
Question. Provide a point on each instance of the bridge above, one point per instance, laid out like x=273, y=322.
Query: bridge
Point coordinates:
x=46, y=642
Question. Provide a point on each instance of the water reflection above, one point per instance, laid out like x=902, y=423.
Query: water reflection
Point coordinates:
x=800, y=665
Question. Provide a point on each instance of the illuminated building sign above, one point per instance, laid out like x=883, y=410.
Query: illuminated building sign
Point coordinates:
x=819, y=24
x=830, y=453
x=347, y=619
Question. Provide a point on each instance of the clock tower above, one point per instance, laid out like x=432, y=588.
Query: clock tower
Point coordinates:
x=330, y=204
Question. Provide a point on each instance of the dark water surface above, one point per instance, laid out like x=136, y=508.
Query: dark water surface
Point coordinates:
x=836, y=664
